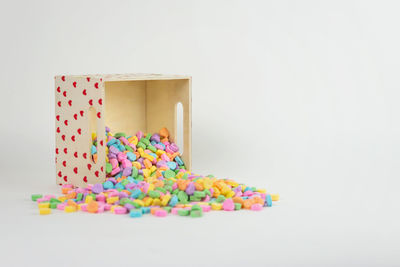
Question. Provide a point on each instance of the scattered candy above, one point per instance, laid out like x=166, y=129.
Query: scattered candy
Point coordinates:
x=145, y=174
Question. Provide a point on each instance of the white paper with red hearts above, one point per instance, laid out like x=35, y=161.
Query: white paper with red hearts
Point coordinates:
x=74, y=95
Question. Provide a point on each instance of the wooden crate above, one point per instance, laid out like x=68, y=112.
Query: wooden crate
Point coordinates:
x=125, y=103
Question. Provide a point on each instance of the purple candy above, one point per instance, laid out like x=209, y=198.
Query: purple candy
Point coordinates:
x=139, y=135
x=161, y=163
x=112, y=180
x=107, y=129
x=174, y=147
x=127, y=171
x=190, y=189
x=111, y=155
x=129, y=206
x=123, y=195
x=114, y=150
x=158, y=146
x=97, y=188
x=155, y=137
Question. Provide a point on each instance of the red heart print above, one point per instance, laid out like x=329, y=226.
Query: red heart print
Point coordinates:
x=101, y=79
x=74, y=84
x=89, y=166
x=65, y=150
x=76, y=154
x=101, y=142
x=88, y=79
x=57, y=151
x=70, y=103
x=79, y=131
x=66, y=122
x=56, y=159
x=65, y=93
x=63, y=78
x=65, y=178
x=85, y=179
x=84, y=155
x=96, y=85
x=58, y=130
x=96, y=173
x=58, y=89
x=59, y=174
x=81, y=112
x=101, y=101
x=98, y=115
x=75, y=116
x=58, y=117
x=84, y=92
x=59, y=103
x=91, y=102
x=73, y=138
x=102, y=169
x=63, y=137
x=76, y=170
x=64, y=163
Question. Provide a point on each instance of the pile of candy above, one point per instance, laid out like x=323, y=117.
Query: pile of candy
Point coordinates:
x=145, y=174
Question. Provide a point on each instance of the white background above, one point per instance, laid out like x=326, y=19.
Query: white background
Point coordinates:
x=299, y=97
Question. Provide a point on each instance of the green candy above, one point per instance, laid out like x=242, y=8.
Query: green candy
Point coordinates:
x=142, y=145
x=185, y=176
x=199, y=194
x=183, y=212
x=137, y=205
x=182, y=196
x=145, y=141
x=125, y=182
x=152, y=148
x=79, y=197
x=154, y=194
x=168, y=188
x=221, y=199
x=161, y=190
x=118, y=135
x=135, y=172
x=124, y=200
x=169, y=174
x=238, y=206
x=53, y=205
x=168, y=209
x=141, y=196
x=194, y=199
x=175, y=192
x=140, y=178
x=196, y=207
x=196, y=213
x=207, y=192
x=109, y=167
x=36, y=197
x=148, y=136
x=128, y=148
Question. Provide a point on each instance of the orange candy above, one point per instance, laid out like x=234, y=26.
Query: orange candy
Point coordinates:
x=92, y=206
x=164, y=133
x=147, y=163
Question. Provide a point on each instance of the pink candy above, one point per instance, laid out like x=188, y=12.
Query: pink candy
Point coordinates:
x=256, y=207
x=161, y=213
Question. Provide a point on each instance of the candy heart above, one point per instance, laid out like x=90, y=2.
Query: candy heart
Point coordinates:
x=84, y=92
x=74, y=84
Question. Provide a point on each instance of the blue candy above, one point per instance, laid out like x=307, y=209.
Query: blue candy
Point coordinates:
x=111, y=142
x=179, y=160
x=131, y=156
x=145, y=210
x=119, y=186
x=108, y=185
x=135, y=213
x=121, y=147
x=268, y=200
x=136, y=193
x=93, y=150
x=161, y=144
x=173, y=201
x=171, y=165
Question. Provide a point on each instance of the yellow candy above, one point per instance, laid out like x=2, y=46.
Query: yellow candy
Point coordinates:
x=133, y=140
x=225, y=190
x=207, y=183
x=156, y=202
x=137, y=165
x=141, y=151
x=70, y=209
x=160, y=152
x=153, y=169
x=146, y=173
x=151, y=187
x=62, y=199
x=44, y=211
x=165, y=200
x=148, y=202
x=88, y=199
x=44, y=205
x=274, y=197
x=140, y=202
x=147, y=156
x=179, y=175
x=80, y=206
x=230, y=194
x=94, y=136
x=262, y=191
x=112, y=200
x=216, y=206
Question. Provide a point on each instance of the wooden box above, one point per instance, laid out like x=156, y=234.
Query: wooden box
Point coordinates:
x=125, y=103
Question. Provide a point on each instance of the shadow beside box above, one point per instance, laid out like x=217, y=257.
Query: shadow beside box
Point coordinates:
x=125, y=103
